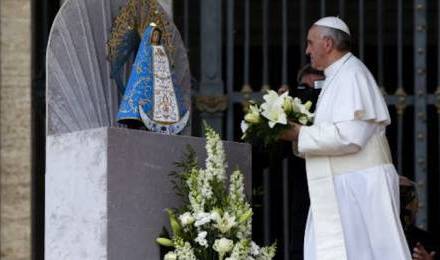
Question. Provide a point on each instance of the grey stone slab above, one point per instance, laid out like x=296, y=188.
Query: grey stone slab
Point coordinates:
x=107, y=190
x=76, y=196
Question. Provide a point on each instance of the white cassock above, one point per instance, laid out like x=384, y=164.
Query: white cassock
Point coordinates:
x=353, y=185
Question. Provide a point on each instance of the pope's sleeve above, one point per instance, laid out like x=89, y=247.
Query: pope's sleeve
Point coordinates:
x=335, y=138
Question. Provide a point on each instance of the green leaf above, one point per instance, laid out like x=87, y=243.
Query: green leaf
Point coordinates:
x=174, y=223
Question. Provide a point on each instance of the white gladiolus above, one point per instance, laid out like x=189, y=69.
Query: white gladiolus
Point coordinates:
x=255, y=249
x=195, y=182
x=267, y=253
x=215, y=162
x=202, y=218
x=240, y=251
x=201, y=239
x=236, y=187
x=218, y=219
x=205, y=188
x=186, y=219
x=185, y=252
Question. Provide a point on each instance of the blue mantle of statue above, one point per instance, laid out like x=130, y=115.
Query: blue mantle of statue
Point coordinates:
x=151, y=95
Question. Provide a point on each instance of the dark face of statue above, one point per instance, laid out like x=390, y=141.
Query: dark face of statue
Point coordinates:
x=155, y=38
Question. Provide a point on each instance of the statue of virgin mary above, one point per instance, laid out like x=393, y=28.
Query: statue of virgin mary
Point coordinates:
x=151, y=96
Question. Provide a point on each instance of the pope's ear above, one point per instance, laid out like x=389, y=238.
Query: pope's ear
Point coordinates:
x=329, y=44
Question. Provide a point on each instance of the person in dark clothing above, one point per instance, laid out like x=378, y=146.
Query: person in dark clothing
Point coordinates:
x=424, y=244
x=309, y=85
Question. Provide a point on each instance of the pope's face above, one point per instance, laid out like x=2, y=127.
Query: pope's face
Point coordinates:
x=316, y=48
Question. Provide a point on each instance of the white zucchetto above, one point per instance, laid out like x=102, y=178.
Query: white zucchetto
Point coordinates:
x=333, y=22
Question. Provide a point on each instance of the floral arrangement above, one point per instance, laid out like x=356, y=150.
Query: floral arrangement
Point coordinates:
x=267, y=121
x=216, y=220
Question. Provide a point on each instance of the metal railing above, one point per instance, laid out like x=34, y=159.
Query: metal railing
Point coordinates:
x=381, y=30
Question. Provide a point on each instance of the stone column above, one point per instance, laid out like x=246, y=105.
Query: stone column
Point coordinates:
x=15, y=133
x=211, y=101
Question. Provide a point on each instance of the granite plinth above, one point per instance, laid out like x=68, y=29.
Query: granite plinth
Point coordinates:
x=107, y=188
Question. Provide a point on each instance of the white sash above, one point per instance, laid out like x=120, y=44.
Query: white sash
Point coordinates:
x=330, y=242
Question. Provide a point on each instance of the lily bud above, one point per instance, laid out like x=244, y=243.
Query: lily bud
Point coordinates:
x=288, y=105
x=245, y=217
x=174, y=223
x=164, y=242
x=252, y=118
x=308, y=105
x=303, y=120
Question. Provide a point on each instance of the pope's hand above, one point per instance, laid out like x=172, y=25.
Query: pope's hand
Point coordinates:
x=283, y=89
x=292, y=133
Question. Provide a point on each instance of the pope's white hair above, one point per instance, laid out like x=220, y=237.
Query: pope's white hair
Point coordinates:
x=341, y=40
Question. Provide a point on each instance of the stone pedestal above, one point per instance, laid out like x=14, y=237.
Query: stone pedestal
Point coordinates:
x=107, y=188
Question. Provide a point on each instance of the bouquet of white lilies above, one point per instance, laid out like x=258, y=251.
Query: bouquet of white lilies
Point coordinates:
x=216, y=221
x=267, y=121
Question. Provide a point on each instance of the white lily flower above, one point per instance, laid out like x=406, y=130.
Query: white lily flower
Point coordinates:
x=304, y=109
x=186, y=219
x=276, y=115
x=170, y=256
x=272, y=99
x=273, y=108
x=270, y=96
x=225, y=223
x=215, y=215
x=223, y=246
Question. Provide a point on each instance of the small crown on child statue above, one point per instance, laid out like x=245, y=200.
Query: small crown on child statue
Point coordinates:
x=153, y=24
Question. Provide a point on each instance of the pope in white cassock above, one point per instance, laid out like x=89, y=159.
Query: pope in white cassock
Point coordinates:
x=353, y=185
